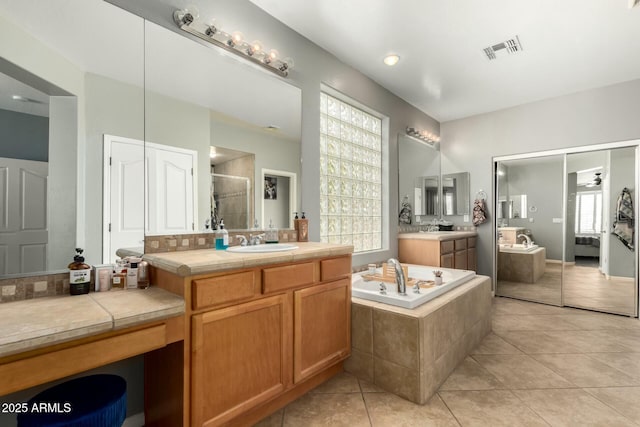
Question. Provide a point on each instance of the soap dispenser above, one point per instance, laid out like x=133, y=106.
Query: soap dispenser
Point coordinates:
x=271, y=235
x=79, y=275
x=303, y=229
x=222, y=237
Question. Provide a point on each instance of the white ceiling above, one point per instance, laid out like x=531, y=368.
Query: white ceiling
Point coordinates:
x=568, y=46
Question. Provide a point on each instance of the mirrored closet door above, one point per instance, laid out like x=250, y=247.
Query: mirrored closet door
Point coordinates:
x=565, y=227
x=529, y=228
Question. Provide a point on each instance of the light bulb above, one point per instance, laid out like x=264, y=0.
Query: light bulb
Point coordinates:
x=237, y=37
x=391, y=60
x=255, y=47
x=288, y=61
x=272, y=56
x=213, y=27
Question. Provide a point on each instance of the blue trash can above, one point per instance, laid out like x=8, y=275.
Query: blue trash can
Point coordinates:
x=91, y=401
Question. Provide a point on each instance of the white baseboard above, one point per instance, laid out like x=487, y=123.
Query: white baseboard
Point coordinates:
x=136, y=420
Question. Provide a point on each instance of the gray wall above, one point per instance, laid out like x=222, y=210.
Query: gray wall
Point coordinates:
x=24, y=136
x=541, y=180
x=591, y=117
x=621, y=174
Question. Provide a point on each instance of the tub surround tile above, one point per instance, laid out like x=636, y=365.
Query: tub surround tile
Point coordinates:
x=360, y=364
x=403, y=381
x=396, y=338
x=571, y=407
x=490, y=408
x=362, y=333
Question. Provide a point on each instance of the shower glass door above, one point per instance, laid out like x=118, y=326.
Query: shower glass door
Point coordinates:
x=600, y=256
x=529, y=207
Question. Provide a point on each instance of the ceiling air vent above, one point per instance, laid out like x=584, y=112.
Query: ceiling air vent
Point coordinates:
x=505, y=48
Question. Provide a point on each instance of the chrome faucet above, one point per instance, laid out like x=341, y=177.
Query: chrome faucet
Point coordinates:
x=255, y=239
x=242, y=238
x=527, y=241
x=400, y=279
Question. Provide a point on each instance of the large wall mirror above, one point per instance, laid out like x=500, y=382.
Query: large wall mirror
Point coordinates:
x=418, y=179
x=62, y=89
x=227, y=121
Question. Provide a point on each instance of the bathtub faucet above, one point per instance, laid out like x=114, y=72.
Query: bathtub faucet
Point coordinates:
x=527, y=240
x=400, y=279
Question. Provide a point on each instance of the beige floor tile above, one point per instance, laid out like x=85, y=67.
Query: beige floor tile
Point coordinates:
x=629, y=363
x=490, y=408
x=532, y=322
x=274, y=420
x=317, y=409
x=386, y=409
x=494, y=344
x=597, y=321
x=344, y=382
x=587, y=341
x=469, y=375
x=584, y=371
x=520, y=371
x=571, y=407
x=368, y=387
x=532, y=342
x=622, y=399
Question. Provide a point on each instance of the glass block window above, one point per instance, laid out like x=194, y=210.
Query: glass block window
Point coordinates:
x=350, y=175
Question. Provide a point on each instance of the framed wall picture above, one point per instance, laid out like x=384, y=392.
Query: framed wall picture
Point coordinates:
x=270, y=188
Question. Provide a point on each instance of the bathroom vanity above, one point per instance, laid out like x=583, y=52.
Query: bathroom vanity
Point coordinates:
x=449, y=249
x=261, y=329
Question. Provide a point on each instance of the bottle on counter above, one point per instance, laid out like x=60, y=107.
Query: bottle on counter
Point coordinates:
x=79, y=275
x=222, y=237
x=303, y=229
x=271, y=234
x=119, y=277
x=143, y=274
x=132, y=273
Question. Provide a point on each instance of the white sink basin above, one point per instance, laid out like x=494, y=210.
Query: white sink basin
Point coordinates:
x=268, y=247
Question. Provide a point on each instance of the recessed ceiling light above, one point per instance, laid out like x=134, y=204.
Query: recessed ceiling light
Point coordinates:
x=391, y=60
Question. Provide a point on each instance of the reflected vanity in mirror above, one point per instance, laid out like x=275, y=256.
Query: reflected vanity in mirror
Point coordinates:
x=455, y=194
x=418, y=178
x=218, y=103
x=68, y=96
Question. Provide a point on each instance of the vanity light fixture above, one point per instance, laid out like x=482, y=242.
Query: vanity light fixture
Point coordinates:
x=423, y=136
x=187, y=20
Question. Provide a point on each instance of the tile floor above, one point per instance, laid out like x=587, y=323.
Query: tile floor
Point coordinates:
x=541, y=366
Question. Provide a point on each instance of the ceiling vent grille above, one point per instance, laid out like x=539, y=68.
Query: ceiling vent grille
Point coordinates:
x=502, y=49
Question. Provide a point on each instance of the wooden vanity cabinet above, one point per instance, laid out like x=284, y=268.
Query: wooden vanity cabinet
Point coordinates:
x=457, y=253
x=285, y=330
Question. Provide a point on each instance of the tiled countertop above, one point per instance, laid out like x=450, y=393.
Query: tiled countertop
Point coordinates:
x=35, y=323
x=202, y=261
x=437, y=235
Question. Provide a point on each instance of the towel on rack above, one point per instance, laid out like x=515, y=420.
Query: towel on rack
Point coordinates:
x=623, y=224
x=479, y=212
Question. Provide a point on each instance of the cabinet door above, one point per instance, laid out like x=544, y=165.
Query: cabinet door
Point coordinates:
x=446, y=260
x=472, y=263
x=460, y=260
x=322, y=327
x=241, y=356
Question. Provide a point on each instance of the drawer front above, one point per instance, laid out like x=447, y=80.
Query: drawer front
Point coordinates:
x=288, y=277
x=230, y=288
x=461, y=244
x=471, y=242
x=446, y=246
x=335, y=268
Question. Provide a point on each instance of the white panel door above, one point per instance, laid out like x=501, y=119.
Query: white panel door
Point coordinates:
x=23, y=216
x=124, y=195
x=170, y=189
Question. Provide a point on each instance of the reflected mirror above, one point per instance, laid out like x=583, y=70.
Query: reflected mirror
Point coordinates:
x=418, y=180
x=455, y=194
x=60, y=99
x=529, y=251
x=200, y=99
